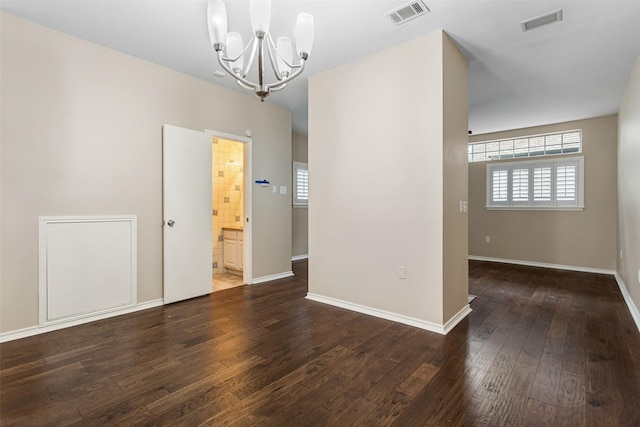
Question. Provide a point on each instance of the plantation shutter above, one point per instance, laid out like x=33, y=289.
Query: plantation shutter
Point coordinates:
x=520, y=185
x=300, y=184
x=566, y=183
x=499, y=186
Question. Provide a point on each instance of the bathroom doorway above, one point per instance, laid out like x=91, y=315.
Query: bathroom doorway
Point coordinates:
x=231, y=232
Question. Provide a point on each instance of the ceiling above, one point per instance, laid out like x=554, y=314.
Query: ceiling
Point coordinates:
x=574, y=69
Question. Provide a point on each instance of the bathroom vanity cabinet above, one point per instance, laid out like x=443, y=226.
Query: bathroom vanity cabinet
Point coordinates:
x=233, y=248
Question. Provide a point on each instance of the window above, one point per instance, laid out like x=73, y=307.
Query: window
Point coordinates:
x=300, y=184
x=536, y=184
x=527, y=146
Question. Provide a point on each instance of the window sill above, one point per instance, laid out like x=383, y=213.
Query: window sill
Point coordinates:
x=536, y=208
x=300, y=206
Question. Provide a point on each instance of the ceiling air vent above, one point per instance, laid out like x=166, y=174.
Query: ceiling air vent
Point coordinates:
x=407, y=12
x=541, y=20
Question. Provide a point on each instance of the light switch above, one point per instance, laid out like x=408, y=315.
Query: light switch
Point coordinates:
x=275, y=189
x=283, y=189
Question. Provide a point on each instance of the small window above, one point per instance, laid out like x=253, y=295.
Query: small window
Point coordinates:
x=536, y=184
x=527, y=146
x=300, y=184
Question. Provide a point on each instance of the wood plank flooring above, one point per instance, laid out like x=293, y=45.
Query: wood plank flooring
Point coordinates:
x=541, y=347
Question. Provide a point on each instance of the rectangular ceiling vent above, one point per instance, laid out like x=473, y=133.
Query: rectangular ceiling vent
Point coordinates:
x=541, y=20
x=407, y=12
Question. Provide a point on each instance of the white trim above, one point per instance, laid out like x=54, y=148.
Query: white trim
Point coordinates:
x=271, y=277
x=299, y=257
x=543, y=264
x=627, y=298
x=534, y=208
x=224, y=135
x=457, y=318
x=43, y=257
x=37, y=330
x=394, y=317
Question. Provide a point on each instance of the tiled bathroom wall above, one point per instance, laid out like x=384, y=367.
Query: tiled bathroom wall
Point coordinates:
x=227, y=183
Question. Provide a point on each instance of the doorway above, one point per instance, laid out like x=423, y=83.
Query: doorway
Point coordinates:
x=231, y=234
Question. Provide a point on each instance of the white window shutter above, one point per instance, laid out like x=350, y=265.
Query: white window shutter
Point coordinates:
x=519, y=185
x=535, y=184
x=499, y=186
x=542, y=184
x=300, y=184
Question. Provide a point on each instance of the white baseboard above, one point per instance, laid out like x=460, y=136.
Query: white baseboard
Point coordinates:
x=457, y=318
x=36, y=330
x=271, y=277
x=543, y=265
x=627, y=298
x=299, y=257
x=394, y=317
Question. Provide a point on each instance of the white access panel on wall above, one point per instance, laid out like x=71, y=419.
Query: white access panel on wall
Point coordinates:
x=87, y=266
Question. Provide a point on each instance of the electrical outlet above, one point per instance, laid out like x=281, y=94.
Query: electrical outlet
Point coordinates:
x=402, y=272
x=487, y=239
x=620, y=253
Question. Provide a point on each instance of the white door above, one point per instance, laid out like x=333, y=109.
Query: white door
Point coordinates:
x=187, y=207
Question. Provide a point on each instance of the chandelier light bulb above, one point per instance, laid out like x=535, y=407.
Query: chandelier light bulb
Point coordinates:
x=217, y=22
x=285, y=56
x=304, y=34
x=260, y=11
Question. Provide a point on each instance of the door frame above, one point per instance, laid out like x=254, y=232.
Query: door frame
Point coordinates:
x=247, y=222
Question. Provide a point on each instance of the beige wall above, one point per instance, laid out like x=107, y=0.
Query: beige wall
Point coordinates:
x=82, y=135
x=455, y=148
x=629, y=187
x=582, y=239
x=299, y=215
x=376, y=171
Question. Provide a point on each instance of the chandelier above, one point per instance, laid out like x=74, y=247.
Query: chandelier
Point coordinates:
x=230, y=50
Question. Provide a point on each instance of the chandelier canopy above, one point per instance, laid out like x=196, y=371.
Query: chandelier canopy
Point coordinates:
x=231, y=51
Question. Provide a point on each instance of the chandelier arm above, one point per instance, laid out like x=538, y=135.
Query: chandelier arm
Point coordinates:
x=254, y=43
x=273, y=64
x=280, y=56
x=275, y=89
x=277, y=85
x=240, y=55
x=228, y=69
x=242, y=85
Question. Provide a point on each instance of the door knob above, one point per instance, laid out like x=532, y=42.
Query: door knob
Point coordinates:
x=171, y=222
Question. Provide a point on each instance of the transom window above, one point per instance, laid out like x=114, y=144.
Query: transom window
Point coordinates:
x=536, y=184
x=527, y=146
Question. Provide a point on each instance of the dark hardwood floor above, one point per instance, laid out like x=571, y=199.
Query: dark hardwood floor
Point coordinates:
x=541, y=347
